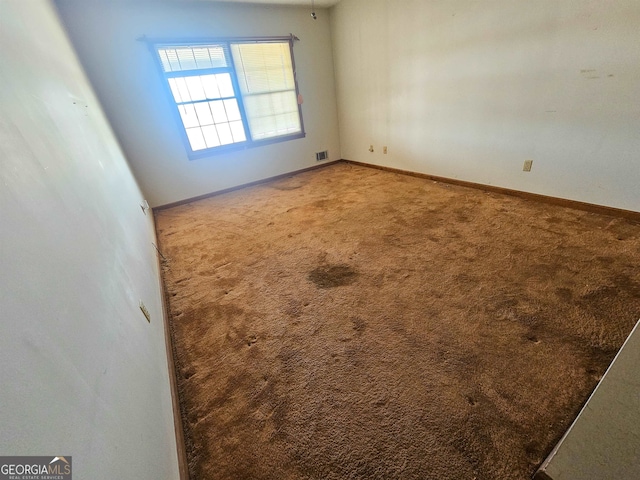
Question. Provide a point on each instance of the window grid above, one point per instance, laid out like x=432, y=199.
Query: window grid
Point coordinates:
x=208, y=101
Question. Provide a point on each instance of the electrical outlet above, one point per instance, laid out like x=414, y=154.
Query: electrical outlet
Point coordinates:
x=145, y=312
x=527, y=165
x=371, y=148
x=384, y=149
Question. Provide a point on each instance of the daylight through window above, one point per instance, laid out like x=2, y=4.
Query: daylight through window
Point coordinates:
x=232, y=94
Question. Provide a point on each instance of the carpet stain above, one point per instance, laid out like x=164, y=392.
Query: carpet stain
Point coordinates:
x=331, y=276
x=358, y=324
x=565, y=294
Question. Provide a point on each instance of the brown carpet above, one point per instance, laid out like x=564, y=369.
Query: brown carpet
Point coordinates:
x=350, y=323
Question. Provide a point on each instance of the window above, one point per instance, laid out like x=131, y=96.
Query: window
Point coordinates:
x=232, y=94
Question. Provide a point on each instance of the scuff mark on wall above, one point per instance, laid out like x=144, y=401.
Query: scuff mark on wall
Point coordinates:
x=589, y=73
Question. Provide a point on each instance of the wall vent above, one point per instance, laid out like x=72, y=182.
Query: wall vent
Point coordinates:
x=322, y=155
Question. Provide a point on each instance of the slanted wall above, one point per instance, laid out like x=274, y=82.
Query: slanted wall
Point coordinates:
x=83, y=373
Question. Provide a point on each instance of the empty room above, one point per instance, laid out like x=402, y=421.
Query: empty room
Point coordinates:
x=320, y=239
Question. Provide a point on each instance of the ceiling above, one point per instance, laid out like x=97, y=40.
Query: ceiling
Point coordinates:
x=318, y=3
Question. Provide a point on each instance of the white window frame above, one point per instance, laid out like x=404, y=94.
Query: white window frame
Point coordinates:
x=181, y=105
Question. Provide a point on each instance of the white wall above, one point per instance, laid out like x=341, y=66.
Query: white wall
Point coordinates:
x=128, y=84
x=470, y=89
x=83, y=373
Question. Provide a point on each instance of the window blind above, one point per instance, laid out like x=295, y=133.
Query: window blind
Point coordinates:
x=267, y=84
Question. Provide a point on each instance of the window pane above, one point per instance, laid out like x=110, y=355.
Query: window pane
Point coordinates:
x=188, y=115
x=176, y=59
x=265, y=76
x=196, y=140
x=211, y=136
x=233, y=112
x=210, y=86
x=293, y=122
x=287, y=102
x=195, y=88
x=186, y=58
x=261, y=128
x=169, y=59
x=202, y=57
x=284, y=125
x=166, y=66
x=263, y=67
x=272, y=114
x=174, y=90
x=224, y=132
x=225, y=85
x=258, y=106
x=237, y=130
x=204, y=113
x=217, y=55
x=219, y=113
x=182, y=89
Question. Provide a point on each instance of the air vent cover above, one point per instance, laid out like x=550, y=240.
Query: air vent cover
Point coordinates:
x=322, y=155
